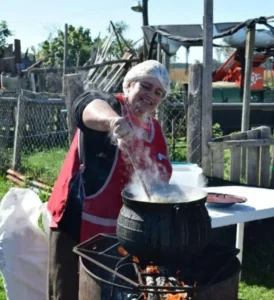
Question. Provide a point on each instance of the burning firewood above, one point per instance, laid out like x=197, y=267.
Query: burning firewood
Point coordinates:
x=163, y=281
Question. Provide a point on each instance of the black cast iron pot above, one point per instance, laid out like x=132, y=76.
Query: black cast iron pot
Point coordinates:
x=164, y=232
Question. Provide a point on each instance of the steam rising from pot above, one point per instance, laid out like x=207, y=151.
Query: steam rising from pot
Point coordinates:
x=183, y=187
x=163, y=192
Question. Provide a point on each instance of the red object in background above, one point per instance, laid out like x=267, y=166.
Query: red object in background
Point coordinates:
x=230, y=71
x=257, y=78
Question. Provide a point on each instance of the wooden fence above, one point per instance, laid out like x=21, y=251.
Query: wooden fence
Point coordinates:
x=250, y=157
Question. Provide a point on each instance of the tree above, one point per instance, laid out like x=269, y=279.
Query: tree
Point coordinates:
x=4, y=34
x=80, y=46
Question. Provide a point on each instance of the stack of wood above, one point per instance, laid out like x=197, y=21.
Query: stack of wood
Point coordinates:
x=108, y=77
x=23, y=181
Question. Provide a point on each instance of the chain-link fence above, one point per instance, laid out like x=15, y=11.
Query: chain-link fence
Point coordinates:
x=172, y=116
x=36, y=140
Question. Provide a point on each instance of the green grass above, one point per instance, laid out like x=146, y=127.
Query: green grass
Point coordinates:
x=44, y=166
x=4, y=186
x=258, y=261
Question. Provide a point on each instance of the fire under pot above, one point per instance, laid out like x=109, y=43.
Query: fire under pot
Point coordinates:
x=108, y=272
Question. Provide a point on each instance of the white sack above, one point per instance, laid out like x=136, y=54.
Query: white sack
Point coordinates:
x=23, y=246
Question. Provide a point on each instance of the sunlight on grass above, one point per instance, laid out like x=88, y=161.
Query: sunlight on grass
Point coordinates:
x=255, y=292
x=44, y=166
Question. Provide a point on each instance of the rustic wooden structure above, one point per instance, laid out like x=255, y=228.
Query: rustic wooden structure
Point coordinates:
x=108, y=76
x=257, y=143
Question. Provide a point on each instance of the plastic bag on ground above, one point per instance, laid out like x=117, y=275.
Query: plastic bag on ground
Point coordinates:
x=23, y=246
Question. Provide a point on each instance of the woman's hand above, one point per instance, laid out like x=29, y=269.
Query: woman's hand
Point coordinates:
x=121, y=130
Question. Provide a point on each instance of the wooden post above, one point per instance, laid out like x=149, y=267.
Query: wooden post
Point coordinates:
x=207, y=86
x=41, y=82
x=159, y=115
x=272, y=168
x=145, y=23
x=159, y=45
x=73, y=88
x=19, y=129
x=265, y=159
x=163, y=111
x=249, y=50
x=194, y=113
x=32, y=82
x=17, y=51
x=145, y=12
x=250, y=42
x=65, y=55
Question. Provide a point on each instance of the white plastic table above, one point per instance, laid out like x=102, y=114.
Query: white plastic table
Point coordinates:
x=259, y=205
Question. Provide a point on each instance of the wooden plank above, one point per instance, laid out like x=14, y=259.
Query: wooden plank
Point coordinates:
x=100, y=76
x=19, y=129
x=218, y=162
x=252, y=166
x=235, y=159
x=74, y=69
x=73, y=88
x=256, y=132
x=250, y=42
x=264, y=163
x=17, y=51
x=32, y=82
x=272, y=169
x=242, y=143
x=222, y=138
x=114, y=74
x=194, y=114
x=207, y=86
x=118, y=80
x=65, y=57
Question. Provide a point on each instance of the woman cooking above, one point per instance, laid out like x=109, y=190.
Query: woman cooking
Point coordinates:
x=86, y=198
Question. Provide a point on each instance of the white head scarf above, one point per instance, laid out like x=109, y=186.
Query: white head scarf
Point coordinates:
x=148, y=69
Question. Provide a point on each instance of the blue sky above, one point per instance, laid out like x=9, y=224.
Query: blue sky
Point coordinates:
x=31, y=21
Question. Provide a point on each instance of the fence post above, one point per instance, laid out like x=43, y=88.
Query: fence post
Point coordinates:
x=65, y=56
x=19, y=129
x=194, y=113
x=250, y=41
x=272, y=168
x=73, y=88
x=207, y=87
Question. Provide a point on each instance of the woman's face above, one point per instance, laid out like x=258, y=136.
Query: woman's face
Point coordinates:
x=144, y=96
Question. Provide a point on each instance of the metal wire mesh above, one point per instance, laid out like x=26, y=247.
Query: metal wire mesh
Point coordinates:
x=172, y=116
x=45, y=124
x=41, y=141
